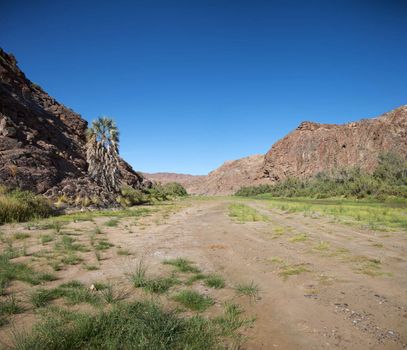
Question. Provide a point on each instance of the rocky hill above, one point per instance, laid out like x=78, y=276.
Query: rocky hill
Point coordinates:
x=304, y=152
x=313, y=147
x=226, y=179
x=42, y=142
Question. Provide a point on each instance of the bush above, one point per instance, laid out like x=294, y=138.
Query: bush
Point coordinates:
x=175, y=189
x=17, y=206
x=167, y=191
x=131, y=196
x=389, y=179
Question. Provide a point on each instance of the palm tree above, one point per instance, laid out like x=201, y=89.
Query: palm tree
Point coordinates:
x=102, y=153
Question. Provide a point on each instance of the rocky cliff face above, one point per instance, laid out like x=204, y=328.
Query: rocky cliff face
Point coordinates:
x=42, y=142
x=313, y=147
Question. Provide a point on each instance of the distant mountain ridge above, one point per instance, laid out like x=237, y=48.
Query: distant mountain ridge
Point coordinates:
x=304, y=152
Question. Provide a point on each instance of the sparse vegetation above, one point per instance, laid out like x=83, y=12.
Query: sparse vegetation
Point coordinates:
x=153, y=285
x=370, y=214
x=292, y=270
x=10, y=271
x=249, y=289
x=73, y=292
x=301, y=237
x=215, y=281
x=21, y=235
x=182, y=265
x=322, y=246
x=46, y=238
x=243, y=213
x=112, y=222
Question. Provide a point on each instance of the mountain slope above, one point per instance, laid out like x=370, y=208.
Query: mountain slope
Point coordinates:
x=226, y=179
x=313, y=147
x=304, y=152
x=42, y=142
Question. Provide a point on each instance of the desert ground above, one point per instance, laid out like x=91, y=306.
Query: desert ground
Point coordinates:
x=305, y=280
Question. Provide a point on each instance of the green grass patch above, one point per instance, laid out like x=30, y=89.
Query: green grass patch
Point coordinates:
x=112, y=222
x=182, y=265
x=231, y=321
x=249, y=289
x=370, y=214
x=292, y=270
x=67, y=243
x=278, y=231
x=157, y=285
x=103, y=245
x=197, y=277
x=368, y=266
x=73, y=292
x=10, y=306
x=21, y=235
x=301, y=237
x=137, y=325
x=10, y=271
x=215, y=281
x=71, y=259
x=193, y=300
x=46, y=238
x=244, y=213
x=322, y=246
x=90, y=267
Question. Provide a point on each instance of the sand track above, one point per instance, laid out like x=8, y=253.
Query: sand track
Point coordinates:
x=332, y=305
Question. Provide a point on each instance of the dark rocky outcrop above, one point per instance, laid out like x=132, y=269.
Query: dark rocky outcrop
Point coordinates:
x=42, y=142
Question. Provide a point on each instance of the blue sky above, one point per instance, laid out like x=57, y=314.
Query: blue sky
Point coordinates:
x=194, y=83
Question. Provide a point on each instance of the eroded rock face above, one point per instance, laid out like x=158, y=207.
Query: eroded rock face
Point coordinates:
x=314, y=147
x=42, y=142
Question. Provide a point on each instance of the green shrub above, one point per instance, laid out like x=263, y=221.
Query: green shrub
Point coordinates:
x=18, y=206
x=388, y=180
x=131, y=196
x=174, y=189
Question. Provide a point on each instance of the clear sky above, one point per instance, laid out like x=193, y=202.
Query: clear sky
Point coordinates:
x=194, y=83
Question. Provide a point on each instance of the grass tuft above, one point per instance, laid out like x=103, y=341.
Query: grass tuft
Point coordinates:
x=193, y=300
x=112, y=222
x=292, y=270
x=301, y=237
x=214, y=281
x=182, y=265
x=137, y=325
x=250, y=289
x=21, y=235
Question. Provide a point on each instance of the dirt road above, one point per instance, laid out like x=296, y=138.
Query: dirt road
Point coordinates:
x=322, y=285
x=336, y=303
